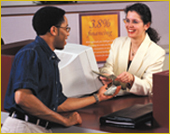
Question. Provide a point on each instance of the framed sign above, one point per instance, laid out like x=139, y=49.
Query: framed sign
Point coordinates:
x=98, y=31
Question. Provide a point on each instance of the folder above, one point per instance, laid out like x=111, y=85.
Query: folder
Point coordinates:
x=130, y=117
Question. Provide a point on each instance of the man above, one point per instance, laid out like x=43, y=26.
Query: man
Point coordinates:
x=34, y=96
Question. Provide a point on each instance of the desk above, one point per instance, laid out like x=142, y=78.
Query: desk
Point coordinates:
x=91, y=114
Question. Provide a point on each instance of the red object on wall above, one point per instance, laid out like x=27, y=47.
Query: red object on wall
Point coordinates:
x=6, y=64
x=8, y=52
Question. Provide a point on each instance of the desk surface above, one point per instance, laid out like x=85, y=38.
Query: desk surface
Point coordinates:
x=91, y=114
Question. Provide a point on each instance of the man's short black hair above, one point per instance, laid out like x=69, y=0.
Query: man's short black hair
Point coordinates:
x=46, y=17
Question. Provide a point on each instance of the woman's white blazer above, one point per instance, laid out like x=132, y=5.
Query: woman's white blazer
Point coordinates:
x=148, y=59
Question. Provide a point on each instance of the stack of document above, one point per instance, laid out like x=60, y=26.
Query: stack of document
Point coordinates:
x=130, y=117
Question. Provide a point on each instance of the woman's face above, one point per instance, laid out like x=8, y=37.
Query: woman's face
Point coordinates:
x=135, y=26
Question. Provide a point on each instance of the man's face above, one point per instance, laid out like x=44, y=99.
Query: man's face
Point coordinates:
x=60, y=40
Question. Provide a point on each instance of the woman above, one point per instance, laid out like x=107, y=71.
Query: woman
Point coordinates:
x=135, y=58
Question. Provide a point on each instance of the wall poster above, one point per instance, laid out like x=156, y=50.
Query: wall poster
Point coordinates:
x=98, y=30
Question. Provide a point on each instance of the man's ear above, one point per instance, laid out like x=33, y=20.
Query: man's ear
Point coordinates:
x=53, y=30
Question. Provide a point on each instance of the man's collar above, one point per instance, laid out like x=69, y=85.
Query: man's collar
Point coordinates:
x=46, y=49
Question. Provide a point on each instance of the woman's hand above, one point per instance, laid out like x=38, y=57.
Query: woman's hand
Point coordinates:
x=125, y=77
x=105, y=80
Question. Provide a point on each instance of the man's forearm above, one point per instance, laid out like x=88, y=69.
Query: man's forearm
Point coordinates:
x=31, y=104
x=76, y=103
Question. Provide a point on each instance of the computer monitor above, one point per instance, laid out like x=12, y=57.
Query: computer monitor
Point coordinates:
x=76, y=65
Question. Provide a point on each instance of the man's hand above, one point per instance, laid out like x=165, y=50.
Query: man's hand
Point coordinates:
x=73, y=119
x=103, y=97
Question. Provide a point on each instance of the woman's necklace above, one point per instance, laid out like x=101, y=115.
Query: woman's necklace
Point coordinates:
x=132, y=52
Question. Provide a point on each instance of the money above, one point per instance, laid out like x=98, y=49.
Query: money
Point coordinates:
x=111, y=90
x=112, y=77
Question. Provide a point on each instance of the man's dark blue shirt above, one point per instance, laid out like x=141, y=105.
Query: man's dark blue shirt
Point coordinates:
x=35, y=67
